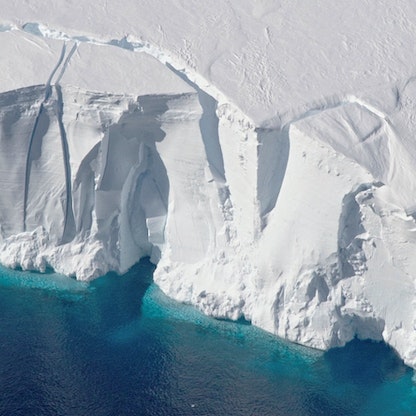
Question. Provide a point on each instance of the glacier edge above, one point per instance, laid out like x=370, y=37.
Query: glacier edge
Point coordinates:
x=235, y=229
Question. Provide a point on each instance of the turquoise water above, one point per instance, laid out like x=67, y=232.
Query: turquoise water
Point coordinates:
x=118, y=346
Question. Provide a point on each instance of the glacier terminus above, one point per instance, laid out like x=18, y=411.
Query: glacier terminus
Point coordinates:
x=261, y=153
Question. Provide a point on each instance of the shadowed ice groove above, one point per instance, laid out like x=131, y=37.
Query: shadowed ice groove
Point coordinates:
x=209, y=127
x=69, y=229
x=273, y=156
x=44, y=118
x=32, y=28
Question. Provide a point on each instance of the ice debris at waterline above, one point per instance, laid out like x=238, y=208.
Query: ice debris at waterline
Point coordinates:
x=265, y=167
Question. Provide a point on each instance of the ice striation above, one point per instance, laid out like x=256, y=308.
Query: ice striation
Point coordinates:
x=300, y=219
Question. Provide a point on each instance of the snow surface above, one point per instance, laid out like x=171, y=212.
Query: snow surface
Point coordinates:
x=261, y=152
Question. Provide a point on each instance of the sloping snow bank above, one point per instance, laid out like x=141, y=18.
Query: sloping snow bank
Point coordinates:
x=305, y=229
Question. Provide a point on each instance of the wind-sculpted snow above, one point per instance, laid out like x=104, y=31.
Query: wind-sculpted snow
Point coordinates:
x=277, y=189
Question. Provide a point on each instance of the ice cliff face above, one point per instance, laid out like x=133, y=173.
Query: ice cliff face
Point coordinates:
x=85, y=185
x=300, y=220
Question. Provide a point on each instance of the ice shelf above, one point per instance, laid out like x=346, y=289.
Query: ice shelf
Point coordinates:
x=261, y=153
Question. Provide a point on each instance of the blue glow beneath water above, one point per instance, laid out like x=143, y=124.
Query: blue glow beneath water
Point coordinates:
x=118, y=346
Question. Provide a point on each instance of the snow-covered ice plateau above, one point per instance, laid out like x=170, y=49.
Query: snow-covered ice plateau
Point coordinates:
x=262, y=153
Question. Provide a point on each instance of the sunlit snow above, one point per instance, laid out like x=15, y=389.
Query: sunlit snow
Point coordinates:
x=260, y=152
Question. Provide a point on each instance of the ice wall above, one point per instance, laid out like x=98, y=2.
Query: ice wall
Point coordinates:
x=110, y=151
x=91, y=166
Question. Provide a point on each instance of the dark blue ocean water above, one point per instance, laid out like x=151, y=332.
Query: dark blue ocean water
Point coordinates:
x=118, y=346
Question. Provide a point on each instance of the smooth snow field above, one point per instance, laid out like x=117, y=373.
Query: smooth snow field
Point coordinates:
x=118, y=346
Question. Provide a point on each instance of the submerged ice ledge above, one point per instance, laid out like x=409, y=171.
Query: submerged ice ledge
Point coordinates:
x=306, y=229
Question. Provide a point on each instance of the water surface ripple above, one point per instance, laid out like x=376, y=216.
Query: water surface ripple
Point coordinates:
x=118, y=346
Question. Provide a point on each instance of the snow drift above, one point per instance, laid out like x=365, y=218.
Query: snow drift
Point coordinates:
x=261, y=192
